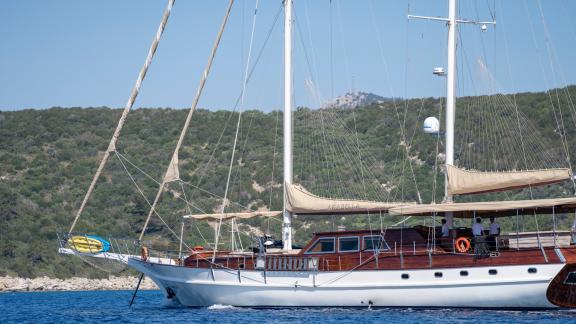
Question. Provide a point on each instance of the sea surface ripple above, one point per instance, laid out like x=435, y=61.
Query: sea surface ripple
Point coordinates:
x=112, y=306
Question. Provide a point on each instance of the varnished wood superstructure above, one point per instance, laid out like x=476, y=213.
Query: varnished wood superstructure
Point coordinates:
x=408, y=249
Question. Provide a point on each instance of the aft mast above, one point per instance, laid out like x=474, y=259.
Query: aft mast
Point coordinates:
x=287, y=155
x=452, y=23
x=450, y=101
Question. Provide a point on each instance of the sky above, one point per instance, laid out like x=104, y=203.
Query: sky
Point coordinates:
x=72, y=53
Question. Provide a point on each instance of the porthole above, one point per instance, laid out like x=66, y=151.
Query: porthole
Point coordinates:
x=464, y=273
x=438, y=274
x=493, y=271
x=532, y=270
x=405, y=276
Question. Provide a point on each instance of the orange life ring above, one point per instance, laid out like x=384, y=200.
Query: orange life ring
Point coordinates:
x=462, y=244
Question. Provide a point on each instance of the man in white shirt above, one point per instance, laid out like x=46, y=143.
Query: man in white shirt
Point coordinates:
x=494, y=227
x=478, y=228
x=494, y=233
x=445, y=229
x=480, y=248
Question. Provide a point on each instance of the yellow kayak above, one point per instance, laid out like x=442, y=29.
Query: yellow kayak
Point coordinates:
x=88, y=244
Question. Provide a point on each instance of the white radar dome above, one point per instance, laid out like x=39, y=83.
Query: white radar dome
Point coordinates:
x=431, y=125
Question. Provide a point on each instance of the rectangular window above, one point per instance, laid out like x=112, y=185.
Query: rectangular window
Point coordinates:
x=348, y=244
x=323, y=245
x=375, y=242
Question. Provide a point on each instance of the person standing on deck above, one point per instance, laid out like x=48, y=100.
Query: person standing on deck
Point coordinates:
x=494, y=227
x=494, y=233
x=479, y=241
x=445, y=228
x=478, y=228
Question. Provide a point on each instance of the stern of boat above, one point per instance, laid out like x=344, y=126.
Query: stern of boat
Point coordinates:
x=562, y=289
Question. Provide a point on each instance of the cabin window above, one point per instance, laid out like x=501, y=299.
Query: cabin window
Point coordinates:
x=438, y=274
x=375, y=242
x=532, y=270
x=323, y=245
x=405, y=276
x=570, y=279
x=348, y=244
x=493, y=271
x=464, y=273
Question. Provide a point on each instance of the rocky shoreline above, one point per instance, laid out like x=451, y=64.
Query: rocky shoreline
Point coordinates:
x=15, y=284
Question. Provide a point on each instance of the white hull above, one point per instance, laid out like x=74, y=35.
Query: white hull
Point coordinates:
x=511, y=287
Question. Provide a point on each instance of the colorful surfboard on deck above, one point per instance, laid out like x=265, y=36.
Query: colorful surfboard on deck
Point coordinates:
x=88, y=244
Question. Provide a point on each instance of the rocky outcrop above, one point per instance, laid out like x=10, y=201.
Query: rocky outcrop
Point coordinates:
x=11, y=284
x=352, y=100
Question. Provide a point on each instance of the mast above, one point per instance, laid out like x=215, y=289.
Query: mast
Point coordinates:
x=452, y=22
x=450, y=100
x=287, y=154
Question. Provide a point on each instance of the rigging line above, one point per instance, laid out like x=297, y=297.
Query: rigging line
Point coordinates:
x=242, y=152
x=394, y=103
x=314, y=87
x=550, y=56
x=337, y=148
x=347, y=150
x=435, y=173
x=324, y=138
x=273, y=167
x=550, y=59
x=190, y=212
x=331, y=50
x=157, y=182
x=314, y=64
x=182, y=181
x=571, y=22
x=236, y=104
x=127, y=108
x=224, y=199
x=174, y=160
x=416, y=125
x=545, y=77
x=359, y=158
x=148, y=201
x=238, y=176
x=350, y=153
x=515, y=103
x=409, y=142
x=343, y=44
x=538, y=145
x=351, y=157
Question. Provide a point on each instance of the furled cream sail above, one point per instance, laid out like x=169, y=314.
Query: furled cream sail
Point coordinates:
x=462, y=182
x=242, y=215
x=489, y=208
x=301, y=201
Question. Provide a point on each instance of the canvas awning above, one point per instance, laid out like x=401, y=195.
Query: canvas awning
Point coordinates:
x=490, y=208
x=462, y=182
x=301, y=201
x=243, y=215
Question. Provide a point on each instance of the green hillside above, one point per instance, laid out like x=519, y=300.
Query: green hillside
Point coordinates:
x=48, y=158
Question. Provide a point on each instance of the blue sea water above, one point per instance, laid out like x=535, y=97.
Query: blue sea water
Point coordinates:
x=112, y=306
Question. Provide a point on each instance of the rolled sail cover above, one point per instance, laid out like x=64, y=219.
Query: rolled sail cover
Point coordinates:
x=301, y=201
x=242, y=215
x=462, y=182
